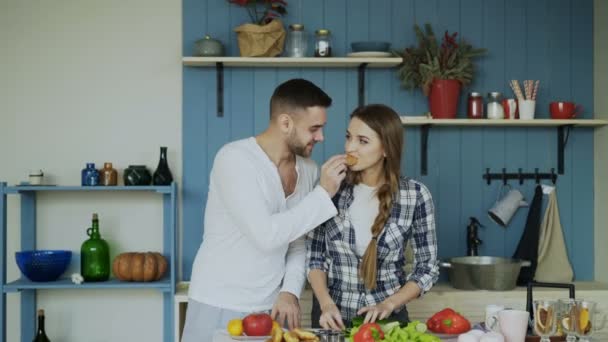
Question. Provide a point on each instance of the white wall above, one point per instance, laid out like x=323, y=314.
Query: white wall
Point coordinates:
x=91, y=81
x=600, y=86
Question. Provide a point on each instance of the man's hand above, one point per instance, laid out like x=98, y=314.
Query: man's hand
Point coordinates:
x=331, y=317
x=286, y=308
x=374, y=313
x=332, y=174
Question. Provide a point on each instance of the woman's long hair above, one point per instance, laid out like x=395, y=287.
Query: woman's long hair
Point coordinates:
x=387, y=124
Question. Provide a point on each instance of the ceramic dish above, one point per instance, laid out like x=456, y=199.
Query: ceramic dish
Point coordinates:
x=370, y=54
x=243, y=338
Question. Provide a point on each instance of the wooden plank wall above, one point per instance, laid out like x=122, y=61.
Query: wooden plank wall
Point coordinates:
x=551, y=41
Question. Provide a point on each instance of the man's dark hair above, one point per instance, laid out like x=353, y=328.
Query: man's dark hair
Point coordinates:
x=297, y=94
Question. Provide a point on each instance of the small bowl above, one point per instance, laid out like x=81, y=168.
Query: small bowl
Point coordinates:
x=370, y=46
x=43, y=265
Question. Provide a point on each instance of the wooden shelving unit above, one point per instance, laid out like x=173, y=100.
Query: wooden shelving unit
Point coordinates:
x=561, y=125
x=287, y=62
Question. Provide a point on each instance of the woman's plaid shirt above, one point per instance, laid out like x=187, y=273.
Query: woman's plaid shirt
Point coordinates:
x=331, y=248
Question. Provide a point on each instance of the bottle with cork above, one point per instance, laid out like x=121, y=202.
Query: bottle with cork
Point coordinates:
x=40, y=333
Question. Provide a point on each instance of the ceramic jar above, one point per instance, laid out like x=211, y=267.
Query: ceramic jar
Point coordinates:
x=89, y=176
x=208, y=47
x=137, y=175
x=108, y=175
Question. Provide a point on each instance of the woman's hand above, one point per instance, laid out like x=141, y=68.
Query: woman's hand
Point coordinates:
x=377, y=312
x=331, y=317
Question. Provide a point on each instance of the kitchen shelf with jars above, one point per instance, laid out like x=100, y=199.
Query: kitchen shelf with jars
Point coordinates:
x=42, y=270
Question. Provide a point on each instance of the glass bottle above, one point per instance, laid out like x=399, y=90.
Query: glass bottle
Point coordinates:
x=162, y=175
x=89, y=175
x=108, y=175
x=323, y=43
x=95, y=255
x=495, y=110
x=475, y=106
x=296, y=41
x=40, y=333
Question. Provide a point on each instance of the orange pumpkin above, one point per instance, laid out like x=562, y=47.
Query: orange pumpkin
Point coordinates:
x=136, y=266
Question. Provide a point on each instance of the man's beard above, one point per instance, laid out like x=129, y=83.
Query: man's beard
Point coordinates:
x=297, y=147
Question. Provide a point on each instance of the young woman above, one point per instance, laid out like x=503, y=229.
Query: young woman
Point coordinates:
x=355, y=260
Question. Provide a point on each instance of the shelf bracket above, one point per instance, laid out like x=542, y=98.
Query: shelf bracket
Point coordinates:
x=219, y=67
x=562, y=141
x=361, y=81
x=424, y=138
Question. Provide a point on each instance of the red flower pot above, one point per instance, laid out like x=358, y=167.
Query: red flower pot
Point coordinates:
x=443, y=98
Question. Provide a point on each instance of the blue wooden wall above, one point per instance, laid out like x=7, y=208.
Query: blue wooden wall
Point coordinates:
x=551, y=41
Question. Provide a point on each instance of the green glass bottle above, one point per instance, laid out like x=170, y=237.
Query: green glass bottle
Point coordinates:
x=95, y=255
x=40, y=333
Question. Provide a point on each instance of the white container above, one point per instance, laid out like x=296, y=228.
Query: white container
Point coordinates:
x=35, y=177
x=526, y=109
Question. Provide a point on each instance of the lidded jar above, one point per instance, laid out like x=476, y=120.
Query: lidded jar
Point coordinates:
x=297, y=41
x=323, y=43
x=475, y=106
x=494, y=106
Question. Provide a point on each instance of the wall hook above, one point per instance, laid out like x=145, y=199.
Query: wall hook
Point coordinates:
x=521, y=177
x=504, y=176
x=536, y=176
x=488, y=179
x=553, y=176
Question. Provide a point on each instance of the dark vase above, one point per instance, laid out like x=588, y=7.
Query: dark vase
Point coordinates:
x=137, y=175
x=162, y=175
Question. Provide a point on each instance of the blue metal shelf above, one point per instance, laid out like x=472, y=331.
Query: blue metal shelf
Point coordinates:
x=22, y=188
x=163, y=285
x=28, y=194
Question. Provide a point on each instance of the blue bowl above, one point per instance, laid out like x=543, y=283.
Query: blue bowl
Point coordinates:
x=43, y=265
x=370, y=46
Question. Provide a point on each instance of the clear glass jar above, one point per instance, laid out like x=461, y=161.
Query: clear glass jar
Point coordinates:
x=296, y=41
x=475, y=106
x=494, y=106
x=323, y=43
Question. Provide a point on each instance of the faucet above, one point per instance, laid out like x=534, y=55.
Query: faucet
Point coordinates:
x=473, y=240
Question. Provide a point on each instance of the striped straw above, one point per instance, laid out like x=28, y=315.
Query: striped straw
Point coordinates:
x=516, y=89
x=535, y=90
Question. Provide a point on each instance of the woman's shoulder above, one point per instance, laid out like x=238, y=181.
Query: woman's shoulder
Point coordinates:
x=409, y=185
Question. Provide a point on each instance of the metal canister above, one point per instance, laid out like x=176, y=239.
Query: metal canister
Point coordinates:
x=326, y=335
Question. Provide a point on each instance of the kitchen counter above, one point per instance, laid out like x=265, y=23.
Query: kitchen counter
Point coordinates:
x=471, y=303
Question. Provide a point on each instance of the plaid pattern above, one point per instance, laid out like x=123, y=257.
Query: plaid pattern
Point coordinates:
x=331, y=248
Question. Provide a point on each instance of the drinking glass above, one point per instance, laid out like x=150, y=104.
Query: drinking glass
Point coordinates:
x=545, y=317
x=584, y=323
x=566, y=317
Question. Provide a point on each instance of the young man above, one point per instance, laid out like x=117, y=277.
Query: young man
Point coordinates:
x=262, y=201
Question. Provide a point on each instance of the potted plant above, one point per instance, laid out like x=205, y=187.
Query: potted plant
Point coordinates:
x=439, y=70
x=265, y=35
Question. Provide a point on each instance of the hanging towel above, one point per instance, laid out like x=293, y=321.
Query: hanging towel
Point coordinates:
x=553, y=264
x=527, y=249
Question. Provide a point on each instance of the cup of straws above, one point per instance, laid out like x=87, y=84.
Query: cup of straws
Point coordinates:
x=527, y=99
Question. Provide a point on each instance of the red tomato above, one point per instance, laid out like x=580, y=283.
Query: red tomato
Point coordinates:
x=259, y=324
x=369, y=332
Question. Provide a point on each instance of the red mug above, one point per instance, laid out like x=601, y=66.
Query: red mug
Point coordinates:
x=564, y=110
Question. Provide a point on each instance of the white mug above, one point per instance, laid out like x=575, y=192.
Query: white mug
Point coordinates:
x=492, y=317
x=526, y=109
x=513, y=324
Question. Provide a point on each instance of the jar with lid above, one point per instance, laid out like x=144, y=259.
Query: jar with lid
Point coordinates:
x=323, y=43
x=297, y=41
x=475, y=106
x=494, y=106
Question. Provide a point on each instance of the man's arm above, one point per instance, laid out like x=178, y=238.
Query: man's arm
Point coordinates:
x=238, y=187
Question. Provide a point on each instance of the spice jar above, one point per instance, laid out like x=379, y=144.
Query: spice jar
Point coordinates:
x=494, y=106
x=475, y=106
x=323, y=43
x=296, y=41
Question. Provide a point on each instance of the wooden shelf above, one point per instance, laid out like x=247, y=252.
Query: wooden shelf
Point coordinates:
x=163, y=285
x=425, y=124
x=415, y=121
x=288, y=62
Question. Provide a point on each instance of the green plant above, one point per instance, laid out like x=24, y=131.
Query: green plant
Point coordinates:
x=429, y=61
x=262, y=12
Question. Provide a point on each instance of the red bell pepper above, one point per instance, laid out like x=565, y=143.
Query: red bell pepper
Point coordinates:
x=455, y=324
x=434, y=323
x=369, y=332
